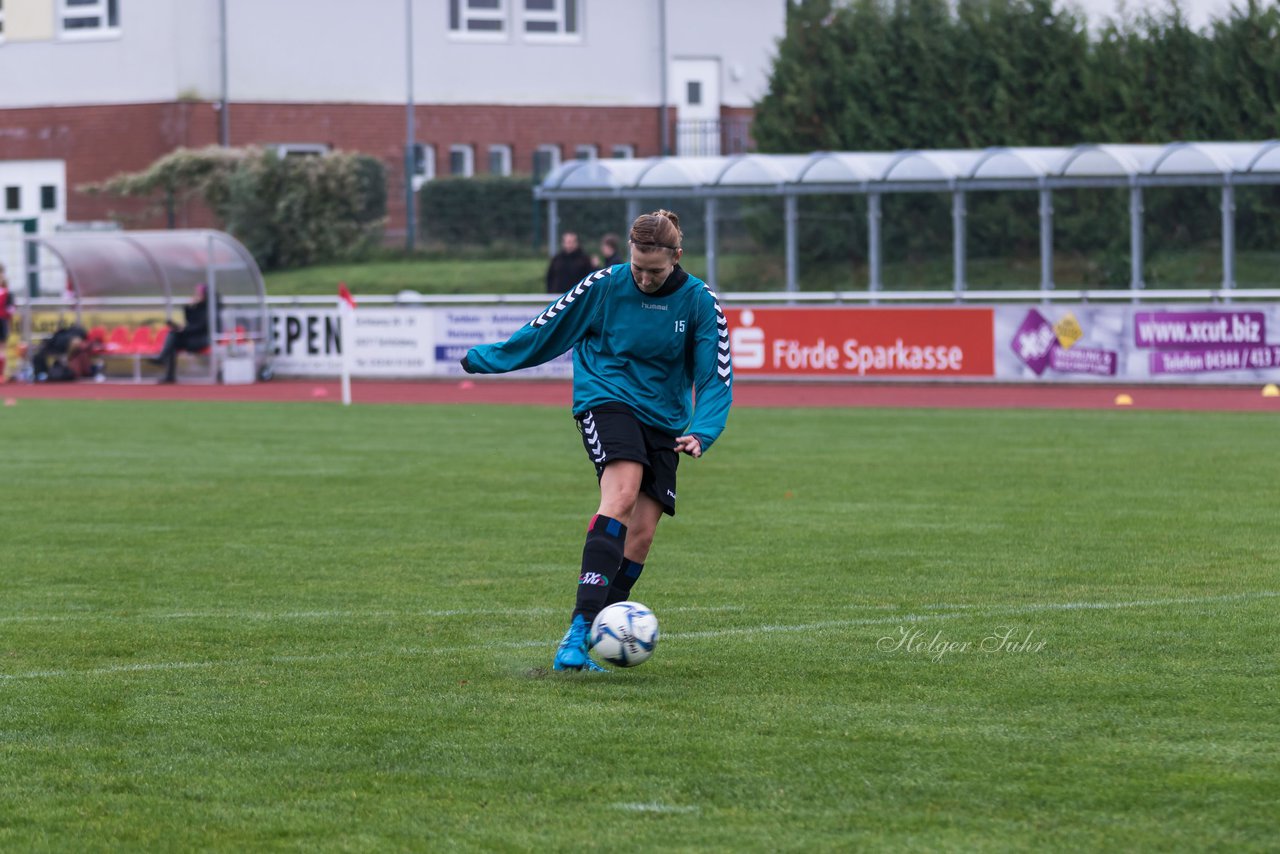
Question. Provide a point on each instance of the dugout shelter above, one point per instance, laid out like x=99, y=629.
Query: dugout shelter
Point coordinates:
x=126, y=284
x=874, y=174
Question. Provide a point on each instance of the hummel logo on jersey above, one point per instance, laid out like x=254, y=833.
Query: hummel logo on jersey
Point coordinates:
x=593, y=578
x=672, y=494
x=653, y=306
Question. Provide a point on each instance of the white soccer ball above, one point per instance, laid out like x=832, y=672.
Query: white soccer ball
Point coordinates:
x=625, y=634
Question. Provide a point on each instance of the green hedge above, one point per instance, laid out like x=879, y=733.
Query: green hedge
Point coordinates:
x=866, y=75
x=288, y=211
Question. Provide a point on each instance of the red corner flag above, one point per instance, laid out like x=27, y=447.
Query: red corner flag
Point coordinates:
x=346, y=310
x=345, y=295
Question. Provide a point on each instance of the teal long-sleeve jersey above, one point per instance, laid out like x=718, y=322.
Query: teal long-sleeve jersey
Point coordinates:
x=652, y=352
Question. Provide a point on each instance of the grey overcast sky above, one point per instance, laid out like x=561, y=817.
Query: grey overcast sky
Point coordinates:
x=1199, y=12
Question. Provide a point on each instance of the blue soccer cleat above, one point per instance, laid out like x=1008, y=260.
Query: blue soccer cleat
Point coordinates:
x=572, y=653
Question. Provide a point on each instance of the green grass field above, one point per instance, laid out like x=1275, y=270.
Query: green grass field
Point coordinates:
x=444, y=274
x=293, y=626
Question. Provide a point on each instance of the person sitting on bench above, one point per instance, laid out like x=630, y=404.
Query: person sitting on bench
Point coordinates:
x=193, y=337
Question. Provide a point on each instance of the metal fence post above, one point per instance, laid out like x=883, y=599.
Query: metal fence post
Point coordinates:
x=873, y=243
x=711, y=242
x=791, y=210
x=958, y=242
x=1228, y=235
x=1046, y=239
x=1135, y=239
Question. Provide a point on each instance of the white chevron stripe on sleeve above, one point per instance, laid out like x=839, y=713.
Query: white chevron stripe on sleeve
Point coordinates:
x=725, y=368
x=564, y=301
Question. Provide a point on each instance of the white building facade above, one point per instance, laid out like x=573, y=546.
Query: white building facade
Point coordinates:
x=496, y=86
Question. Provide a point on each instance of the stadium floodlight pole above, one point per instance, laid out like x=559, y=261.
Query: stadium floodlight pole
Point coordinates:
x=224, y=105
x=410, y=223
x=664, y=149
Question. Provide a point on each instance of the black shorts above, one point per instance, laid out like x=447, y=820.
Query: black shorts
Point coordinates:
x=4, y=330
x=611, y=432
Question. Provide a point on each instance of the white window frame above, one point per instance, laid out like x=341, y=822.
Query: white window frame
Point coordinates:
x=502, y=15
x=556, y=15
x=468, y=160
x=97, y=8
x=428, y=170
x=586, y=151
x=554, y=151
x=623, y=151
x=14, y=209
x=301, y=149
x=504, y=156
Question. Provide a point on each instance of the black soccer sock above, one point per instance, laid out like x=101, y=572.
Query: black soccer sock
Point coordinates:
x=601, y=556
x=623, y=581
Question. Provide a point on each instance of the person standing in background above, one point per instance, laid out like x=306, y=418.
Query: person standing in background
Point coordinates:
x=568, y=266
x=610, y=252
x=6, y=320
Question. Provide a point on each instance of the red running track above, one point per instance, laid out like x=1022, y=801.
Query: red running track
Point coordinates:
x=795, y=394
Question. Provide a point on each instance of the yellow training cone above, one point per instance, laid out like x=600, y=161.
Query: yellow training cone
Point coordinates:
x=1270, y=390
x=1124, y=400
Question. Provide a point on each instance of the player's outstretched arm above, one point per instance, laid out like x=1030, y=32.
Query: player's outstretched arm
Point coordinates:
x=558, y=327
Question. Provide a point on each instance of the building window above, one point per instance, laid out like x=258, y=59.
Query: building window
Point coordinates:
x=586, y=152
x=301, y=149
x=624, y=152
x=1, y=20
x=462, y=161
x=484, y=18
x=551, y=18
x=545, y=158
x=499, y=160
x=12, y=198
x=48, y=198
x=89, y=17
x=693, y=93
x=424, y=164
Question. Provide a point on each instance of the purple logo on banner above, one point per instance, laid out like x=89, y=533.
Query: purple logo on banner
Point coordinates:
x=1035, y=341
x=1195, y=330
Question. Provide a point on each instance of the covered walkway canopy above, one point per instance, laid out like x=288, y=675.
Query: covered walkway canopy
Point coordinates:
x=114, y=271
x=875, y=173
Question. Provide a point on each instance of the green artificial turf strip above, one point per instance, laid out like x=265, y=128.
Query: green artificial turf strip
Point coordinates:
x=244, y=626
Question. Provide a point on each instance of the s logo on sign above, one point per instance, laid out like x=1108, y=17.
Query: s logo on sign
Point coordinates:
x=747, y=343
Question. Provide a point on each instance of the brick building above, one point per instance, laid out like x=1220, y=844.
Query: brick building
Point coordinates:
x=90, y=88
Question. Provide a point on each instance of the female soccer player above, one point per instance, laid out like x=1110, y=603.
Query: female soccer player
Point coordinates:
x=646, y=337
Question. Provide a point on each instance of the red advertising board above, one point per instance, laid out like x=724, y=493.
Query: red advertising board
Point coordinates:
x=862, y=342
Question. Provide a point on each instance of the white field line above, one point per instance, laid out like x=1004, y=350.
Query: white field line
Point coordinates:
x=655, y=807
x=354, y=614
x=768, y=628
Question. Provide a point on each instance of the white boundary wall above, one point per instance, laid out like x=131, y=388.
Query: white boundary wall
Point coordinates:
x=1218, y=343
